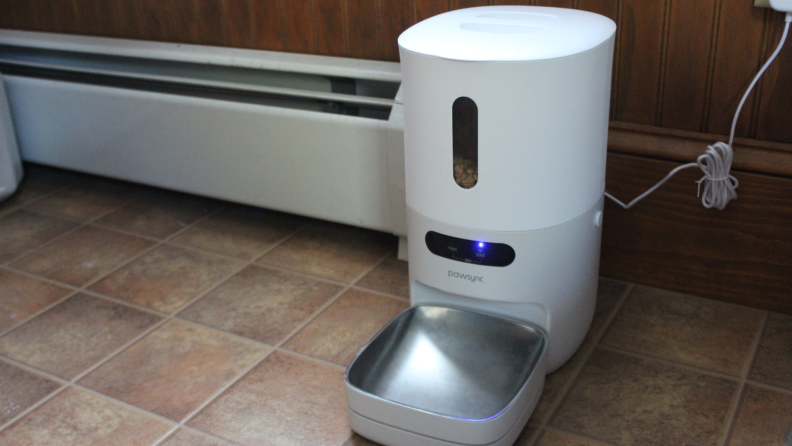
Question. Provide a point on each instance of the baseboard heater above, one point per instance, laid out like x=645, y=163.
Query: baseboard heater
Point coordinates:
x=311, y=135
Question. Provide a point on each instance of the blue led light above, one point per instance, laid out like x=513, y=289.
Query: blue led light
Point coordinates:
x=481, y=244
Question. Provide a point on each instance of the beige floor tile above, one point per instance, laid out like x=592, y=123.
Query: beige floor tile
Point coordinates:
x=331, y=251
x=187, y=438
x=629, y=401
x=240, y=231
x=552, y=437
x=261, y=304
x=20, y=389
x=773, y=362
x=357, y=440
x=285, y=400
x=159, y=213
x=22, y=232
x=556, y=382
x=686, y=329
x=609, y=293
x=83, y=256
x=167, y=278
x=764, y=419
x=528, y=435
x=75, y=334
x=77, y=417
x=37, y=183
x=175, y=369
x=344, y=327
x=390, y=277
x=84, y=199
x=22, y=296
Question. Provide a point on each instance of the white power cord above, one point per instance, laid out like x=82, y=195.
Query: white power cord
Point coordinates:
x=720, y=187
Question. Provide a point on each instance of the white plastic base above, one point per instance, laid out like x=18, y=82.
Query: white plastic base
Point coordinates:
x=10, y=164
x=392, y=436
x=552, y=282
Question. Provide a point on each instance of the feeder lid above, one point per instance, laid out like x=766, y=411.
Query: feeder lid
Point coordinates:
x=508, y=33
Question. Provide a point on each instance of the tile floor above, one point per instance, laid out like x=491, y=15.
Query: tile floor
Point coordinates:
x=135, y=316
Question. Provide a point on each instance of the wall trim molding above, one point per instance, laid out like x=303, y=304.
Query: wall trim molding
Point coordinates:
x=750, y=155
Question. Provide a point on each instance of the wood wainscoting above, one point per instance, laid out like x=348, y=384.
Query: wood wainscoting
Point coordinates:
x=742, y=254
x=680, y=68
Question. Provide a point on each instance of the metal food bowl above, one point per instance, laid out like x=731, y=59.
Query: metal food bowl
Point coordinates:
x=443, y=376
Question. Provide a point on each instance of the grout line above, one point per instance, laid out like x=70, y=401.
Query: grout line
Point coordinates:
x=559, y=401
x=80, y=225
x=734, y=407
x=668, y=362
x=179, y=427
x=84, y=289
x=41, y=278
x=588, y=440
x=595, y=341
x=280, y=242
x=33, y=407
x=616, y=309
x=565, y=389
x=124, y=231
x=125, y=404
x=768, y=387
x=167, y=436
x=215, y=437
x=126, y=303
x=43, y=245
x=760, y=330
x=311, y=358
x=245, y=264
x=381, y=293
x=12, y=208
x=301, y=274
x=189, y=417
x=71, y=292
x=65, y=384
x=223, y=332
x=31, y=369
x=282, y=341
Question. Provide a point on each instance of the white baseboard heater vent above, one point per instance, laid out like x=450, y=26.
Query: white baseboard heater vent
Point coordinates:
x=311, y=135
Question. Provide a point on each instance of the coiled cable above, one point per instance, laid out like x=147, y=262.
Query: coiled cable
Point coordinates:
x=720, y=187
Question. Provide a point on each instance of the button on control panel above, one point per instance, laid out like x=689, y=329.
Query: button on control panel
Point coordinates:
x=470, y=251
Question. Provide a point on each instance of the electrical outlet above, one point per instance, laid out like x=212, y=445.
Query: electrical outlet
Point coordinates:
x=782, y=6
x=778, y=5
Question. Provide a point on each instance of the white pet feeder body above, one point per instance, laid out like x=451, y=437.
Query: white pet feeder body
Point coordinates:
x=505, y=127
x=540, y=80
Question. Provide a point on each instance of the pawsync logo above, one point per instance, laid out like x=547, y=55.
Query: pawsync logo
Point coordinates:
x=473, y=279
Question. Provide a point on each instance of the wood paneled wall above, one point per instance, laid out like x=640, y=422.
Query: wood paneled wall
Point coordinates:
x=742, y=254
x=680, y=64
x=680, y=69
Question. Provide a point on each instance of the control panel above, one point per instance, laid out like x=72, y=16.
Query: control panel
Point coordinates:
x=470, y=251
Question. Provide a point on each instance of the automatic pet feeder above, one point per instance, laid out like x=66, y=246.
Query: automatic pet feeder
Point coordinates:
x=506, y=120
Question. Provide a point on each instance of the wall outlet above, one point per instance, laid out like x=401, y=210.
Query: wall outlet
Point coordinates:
x=782, y=5
x=778, y=5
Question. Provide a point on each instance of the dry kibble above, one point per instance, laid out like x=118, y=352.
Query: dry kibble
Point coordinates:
x=465, y=172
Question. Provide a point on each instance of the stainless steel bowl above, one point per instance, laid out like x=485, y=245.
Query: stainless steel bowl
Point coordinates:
x=449, y=369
